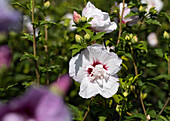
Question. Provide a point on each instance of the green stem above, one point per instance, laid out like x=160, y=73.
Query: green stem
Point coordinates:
x=34, y=46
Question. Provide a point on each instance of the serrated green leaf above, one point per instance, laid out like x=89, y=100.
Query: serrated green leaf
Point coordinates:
x=76, y=48
x=159, y=52
x=27, y=55
x=153, y=22
x=98, y=36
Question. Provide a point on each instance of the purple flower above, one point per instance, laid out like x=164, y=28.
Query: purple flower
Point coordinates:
x=5, y=56
x=101, y=20
x=61, y=85
x=8, y=16
x=35, y=105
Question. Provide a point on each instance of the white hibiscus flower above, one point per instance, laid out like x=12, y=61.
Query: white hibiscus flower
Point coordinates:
x=129, y=20
x=152, y=39
x=101, y=20
x=95, y=68
x=158, y=4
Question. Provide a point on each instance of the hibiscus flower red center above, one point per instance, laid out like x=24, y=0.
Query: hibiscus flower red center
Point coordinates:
x=89, y=70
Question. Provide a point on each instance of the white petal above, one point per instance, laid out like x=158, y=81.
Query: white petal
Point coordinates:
x=77, y=66
x=112, y=61
x=101, y=20
x=88, y=89
x=108, y=92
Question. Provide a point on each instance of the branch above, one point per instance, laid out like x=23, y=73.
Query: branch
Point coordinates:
x=34, y=45
x=140, y=26
x=166, y=103
x=120, y=25
x=46, y=47
x=136, y=73
x=88, y=109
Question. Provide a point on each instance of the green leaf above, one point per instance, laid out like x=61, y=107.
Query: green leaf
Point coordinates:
x=117, y=98
x=98, y=36
x=77, y=114
x=102, y=118
x=90, y=19
x=165, y=15
x=152, y=113
x=139, y=115
x=159, y=52
x=28, y=36
x=76, y=48
x=27, y=55
x=150, y=65
x=162, y=76
x=131, y=14
x=153, y=22
x=19, y=4
x=164, y=119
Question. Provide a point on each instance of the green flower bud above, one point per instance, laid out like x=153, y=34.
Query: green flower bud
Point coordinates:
x=78, y=38
x=125, y=94
x=87, y=36
x=83, y=19
x=134, y=39
x=143, y=95
x=47, y=4
x=166, y=35
x=127, y=37
x=141, y=9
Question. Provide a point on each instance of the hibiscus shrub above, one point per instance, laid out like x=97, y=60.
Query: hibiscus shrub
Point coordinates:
x=117, y=54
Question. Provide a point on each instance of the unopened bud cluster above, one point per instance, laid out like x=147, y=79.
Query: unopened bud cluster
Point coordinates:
x=78, y=19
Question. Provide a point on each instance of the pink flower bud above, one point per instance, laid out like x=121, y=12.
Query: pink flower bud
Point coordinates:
x=61, y=85
x=76, y=17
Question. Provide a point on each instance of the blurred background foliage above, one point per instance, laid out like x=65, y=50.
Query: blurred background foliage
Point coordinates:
x=152, y=61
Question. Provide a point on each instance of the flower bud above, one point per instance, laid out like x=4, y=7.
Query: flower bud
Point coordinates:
x=141, y=9
x=148, y=117
x=127, y=37
x=76, y=17
x=166, y=35
x=87, y=36
x=83, y=19
x=143, y=95
x=132, y=88
x=78, y=38
x=134, y=39
x=125, y=94
x=47, y=4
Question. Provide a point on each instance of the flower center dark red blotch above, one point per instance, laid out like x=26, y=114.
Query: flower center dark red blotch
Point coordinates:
x=89, y=70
